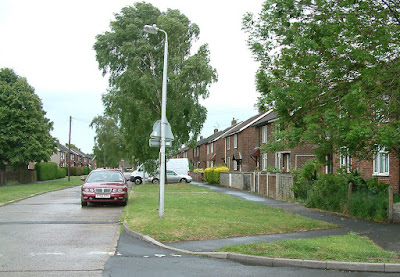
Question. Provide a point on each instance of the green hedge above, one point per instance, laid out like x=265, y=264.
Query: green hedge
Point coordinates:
x=46, y=171
x=61, y=173
x=77, y=170
x=211, y=174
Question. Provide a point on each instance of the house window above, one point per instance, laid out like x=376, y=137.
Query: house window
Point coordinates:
x=264, y=161
x=286, y=162
x=345, y=162
x=212, y=147
x=277, y=131
x=278, y=161
x=228, y=143
x=228, y=162
x=329, y=164
x=381, y=163
x=264, y=133
x=208, y=149
x=235, y=141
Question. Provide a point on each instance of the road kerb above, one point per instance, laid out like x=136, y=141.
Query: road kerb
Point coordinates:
x=268, y=261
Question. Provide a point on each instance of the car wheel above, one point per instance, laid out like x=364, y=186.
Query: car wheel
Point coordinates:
x=155, y=181
x=124, y=202
x=83, y=203
x=183, y=180
x=138, y=181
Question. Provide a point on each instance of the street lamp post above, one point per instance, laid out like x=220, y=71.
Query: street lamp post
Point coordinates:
x=153, y=30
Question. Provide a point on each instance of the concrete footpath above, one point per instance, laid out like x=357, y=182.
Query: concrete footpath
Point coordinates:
x=385, y=235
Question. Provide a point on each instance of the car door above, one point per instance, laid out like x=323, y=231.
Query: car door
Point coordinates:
x=172, y=177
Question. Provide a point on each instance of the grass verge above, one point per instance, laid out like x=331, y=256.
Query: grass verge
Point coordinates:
x=9, y=193
x=347, y=248
x=194, y=213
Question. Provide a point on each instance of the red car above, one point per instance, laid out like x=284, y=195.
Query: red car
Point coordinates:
x=105, y=185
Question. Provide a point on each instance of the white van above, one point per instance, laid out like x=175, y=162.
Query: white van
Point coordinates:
x=179, y=165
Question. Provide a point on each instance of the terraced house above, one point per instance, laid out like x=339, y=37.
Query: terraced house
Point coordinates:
x=239, y=147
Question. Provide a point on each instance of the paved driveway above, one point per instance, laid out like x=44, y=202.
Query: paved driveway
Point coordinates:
x=53, y=235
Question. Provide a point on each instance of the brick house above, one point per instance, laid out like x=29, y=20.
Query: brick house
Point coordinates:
x=215, y=146
x=285, y=160
x=384, y=166
x=240, y=143
x=78, y=158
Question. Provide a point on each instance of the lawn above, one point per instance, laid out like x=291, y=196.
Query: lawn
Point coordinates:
x=194, y=213
x=347, y=248
x=9, y=193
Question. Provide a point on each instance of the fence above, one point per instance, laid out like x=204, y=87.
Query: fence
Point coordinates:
x=20, y=175
x=274, y=185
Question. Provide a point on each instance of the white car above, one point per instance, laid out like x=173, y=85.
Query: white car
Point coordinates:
x=172, y=177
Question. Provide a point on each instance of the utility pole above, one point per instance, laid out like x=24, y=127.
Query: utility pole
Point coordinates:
x=69, y=150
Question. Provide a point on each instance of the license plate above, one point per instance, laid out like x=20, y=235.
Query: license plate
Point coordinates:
x=103, y=196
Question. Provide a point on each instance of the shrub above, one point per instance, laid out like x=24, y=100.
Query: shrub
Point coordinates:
x=46, y=171
x=198, y=170
x=369, y=200
x=304, y=179
x=211, y=174
x=86, y=170
x=61, y=173
x=328, y=192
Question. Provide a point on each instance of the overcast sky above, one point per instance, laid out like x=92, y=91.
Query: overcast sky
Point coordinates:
x=51, y=44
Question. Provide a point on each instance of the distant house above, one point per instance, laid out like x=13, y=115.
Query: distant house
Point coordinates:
x=78, y=158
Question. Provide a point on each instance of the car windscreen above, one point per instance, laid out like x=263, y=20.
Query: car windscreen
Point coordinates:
x=107, y=176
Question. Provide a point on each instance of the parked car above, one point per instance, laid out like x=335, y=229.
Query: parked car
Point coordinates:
x=104, y=185
x=172, y=177
x=179, y=165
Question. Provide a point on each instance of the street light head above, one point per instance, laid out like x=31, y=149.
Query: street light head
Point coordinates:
x=150, y=29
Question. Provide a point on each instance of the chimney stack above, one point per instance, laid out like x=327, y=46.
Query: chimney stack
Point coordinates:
x=233, y=121
x=215, y=131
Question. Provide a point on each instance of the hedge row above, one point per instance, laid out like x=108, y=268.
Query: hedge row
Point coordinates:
x=77, y=170
x=50, y=171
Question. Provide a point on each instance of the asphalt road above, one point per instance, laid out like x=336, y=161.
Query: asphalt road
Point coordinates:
x=52, y=235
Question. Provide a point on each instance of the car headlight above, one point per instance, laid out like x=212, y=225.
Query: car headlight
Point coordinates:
x=86, y=190
x=91, y=190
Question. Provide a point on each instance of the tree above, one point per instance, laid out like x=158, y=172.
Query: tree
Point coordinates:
x=25, y=131
x=134, y=61
x=109, y=141
x=331, y=71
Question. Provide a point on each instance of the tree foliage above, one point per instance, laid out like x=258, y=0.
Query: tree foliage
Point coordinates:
x=331, y=71
x=133, y=61
x=109, y=141
x=25, y=131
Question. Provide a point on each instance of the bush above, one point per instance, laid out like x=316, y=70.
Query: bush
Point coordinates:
x=328, y=192
x=46, y=171
x=86, y=170
x=61, y=173
x=304, y=179
x=211, y=174
x=369, y=200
